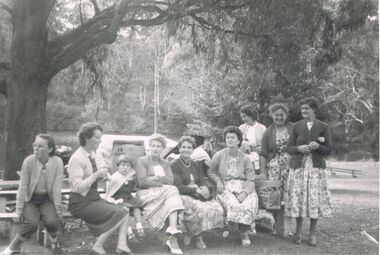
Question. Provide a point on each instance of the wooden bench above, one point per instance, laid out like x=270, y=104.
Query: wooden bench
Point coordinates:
x=41, y=232
x=335, y=170
x=7, y=216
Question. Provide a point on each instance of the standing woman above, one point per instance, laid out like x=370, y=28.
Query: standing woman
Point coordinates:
x=161, y=201
x=252, y=130
x=102, y=218
x=307, y=194
x=202, y=212
x=39, y=193
x=274, y=157
x=232, y=172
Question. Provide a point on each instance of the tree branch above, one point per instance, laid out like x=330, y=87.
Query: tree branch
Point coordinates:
x=7, y=8
x=96, y=7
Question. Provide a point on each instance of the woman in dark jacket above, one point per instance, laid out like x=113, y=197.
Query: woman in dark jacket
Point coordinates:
x=307, y=194
x=202, y=212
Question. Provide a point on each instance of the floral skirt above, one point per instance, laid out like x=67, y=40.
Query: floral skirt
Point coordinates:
x=307, y=194
x=201, y=216
x=278, y=169
x=244, y=212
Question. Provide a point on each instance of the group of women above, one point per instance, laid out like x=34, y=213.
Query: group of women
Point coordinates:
x=178, y=198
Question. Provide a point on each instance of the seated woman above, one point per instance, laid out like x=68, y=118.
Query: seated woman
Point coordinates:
x=101, y=217
x=202, y=212
x=39, y=193
x=120, y=190
x=233, y=173
x=160, y=199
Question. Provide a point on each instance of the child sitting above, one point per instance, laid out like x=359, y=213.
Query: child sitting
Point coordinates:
x=120, y=189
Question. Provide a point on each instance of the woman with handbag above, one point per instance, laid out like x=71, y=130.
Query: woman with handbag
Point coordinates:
x=202, y=212
x=233, y=173
x=274, y=158
x=307, y=194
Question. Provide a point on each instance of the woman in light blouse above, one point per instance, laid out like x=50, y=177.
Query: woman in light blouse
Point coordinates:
x=102, y=218
x=161, y=201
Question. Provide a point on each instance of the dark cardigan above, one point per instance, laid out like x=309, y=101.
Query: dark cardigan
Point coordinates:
x=300, y=135
x=268, y=142
x=182, y=178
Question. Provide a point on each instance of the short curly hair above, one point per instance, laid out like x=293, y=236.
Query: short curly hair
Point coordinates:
x=275, y=107
x=186, y=138
x=87, y=131
x=311, y=101
x=234, y=130
x=159, y=138
x=250, y=111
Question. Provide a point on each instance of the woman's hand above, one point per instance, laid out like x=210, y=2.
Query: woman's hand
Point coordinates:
x=193, y=185
x=304, y=149
x=313, y=145
x=203, y=191
x=101, y=173
x=220, y=187
x=131, y=175
x=242, y=196
x=17, y=218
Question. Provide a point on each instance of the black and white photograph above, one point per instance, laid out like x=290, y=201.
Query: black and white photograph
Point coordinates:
x=189, y=127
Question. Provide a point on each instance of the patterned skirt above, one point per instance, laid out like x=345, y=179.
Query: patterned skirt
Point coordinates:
x=278, y=169
x=307, y=193
x=242, y=213
x=158, y=203
x=201, y=216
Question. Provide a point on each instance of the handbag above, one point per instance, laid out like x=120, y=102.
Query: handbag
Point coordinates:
x=269, y=194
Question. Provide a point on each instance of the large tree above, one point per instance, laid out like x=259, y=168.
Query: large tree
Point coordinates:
x=43, y=44
x=38, y=53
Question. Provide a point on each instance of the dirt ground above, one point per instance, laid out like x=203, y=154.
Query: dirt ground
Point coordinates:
x=355, y=209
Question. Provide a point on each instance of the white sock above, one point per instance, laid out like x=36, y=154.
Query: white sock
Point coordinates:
x=129, y=230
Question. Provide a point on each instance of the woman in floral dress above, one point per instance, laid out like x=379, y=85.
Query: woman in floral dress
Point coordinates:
x=202, y=212
x=307, y=194
x=233, y=173
x=274, y=159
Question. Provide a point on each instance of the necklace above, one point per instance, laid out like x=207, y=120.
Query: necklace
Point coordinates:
x=184, y=164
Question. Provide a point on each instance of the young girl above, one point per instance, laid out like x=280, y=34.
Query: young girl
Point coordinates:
x=119, y=191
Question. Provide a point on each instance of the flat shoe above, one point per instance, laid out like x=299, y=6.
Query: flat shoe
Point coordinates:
x=297, y=240
x=200, y=244
x=313, y=242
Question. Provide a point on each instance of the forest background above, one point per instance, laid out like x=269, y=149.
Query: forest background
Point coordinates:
x=208, y=65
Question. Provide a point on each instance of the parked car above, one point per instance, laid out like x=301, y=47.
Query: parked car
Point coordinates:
x=112, y=146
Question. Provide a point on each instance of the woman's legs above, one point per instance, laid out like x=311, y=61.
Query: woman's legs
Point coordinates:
x=313, y=229
x=173, y=221
x=98, y=245
x=297, y=237
x=122, y=238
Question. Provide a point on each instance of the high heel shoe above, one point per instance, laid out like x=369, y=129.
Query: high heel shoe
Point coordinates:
x=122, y=251
x=173, y=247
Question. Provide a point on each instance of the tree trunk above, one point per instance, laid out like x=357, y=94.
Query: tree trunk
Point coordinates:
x=28, y=83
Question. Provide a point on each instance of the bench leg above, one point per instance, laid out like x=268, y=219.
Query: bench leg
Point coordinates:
x=3, y=210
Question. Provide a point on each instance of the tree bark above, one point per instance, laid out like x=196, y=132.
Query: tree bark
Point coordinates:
x=28, y=84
